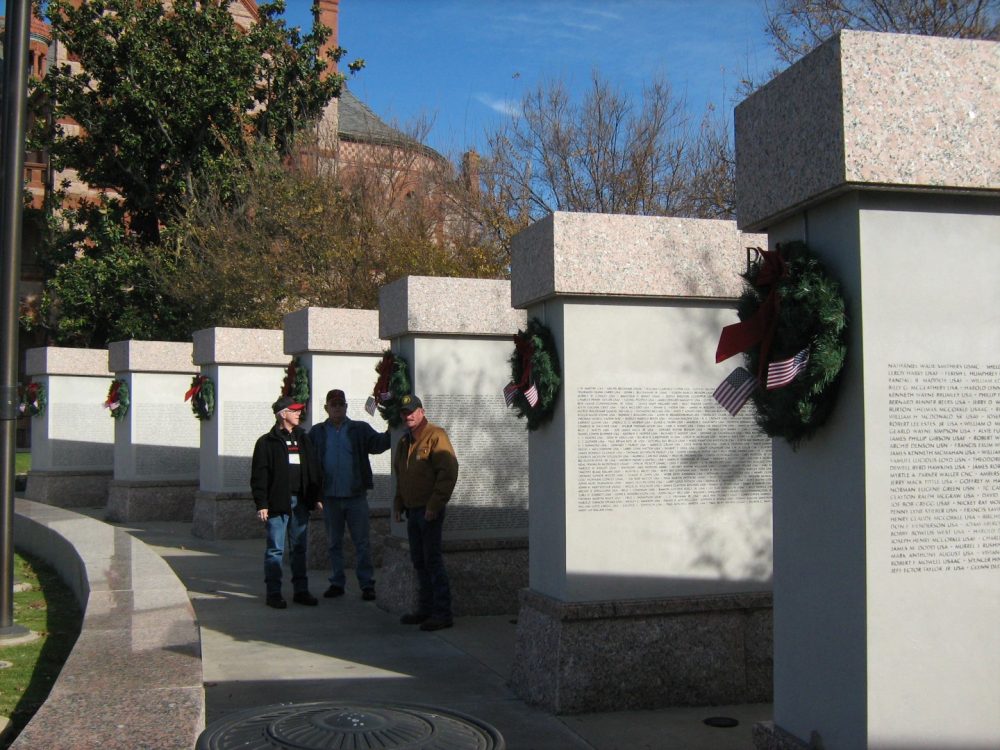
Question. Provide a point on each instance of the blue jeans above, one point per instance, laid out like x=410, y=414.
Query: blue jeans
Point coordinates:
x=425, y=554
x=352, y=511
x=296, y=528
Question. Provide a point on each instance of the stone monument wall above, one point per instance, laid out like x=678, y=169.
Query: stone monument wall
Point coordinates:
x=882, y=152
x=157, y=443
x=72, y=442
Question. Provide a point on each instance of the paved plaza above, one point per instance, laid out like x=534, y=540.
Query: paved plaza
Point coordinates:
x=349, y=650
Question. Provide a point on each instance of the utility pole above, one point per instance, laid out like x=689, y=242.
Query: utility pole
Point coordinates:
x=12, y=137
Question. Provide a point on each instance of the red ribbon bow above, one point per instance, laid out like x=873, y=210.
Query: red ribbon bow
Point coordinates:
x=195, y=388
x=759, y=327
x=384, y=370
x=525, y=350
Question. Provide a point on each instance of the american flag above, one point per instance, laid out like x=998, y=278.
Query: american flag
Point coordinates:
x=509, y=391
x=784, y=372
x=734, y=391
x=531, y=393
x=370, y=405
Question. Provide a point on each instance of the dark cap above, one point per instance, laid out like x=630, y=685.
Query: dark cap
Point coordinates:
x=409, y=402
x=336, y=395
x=286, y=402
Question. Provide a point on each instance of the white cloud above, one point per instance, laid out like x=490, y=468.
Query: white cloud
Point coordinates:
x=503, y=106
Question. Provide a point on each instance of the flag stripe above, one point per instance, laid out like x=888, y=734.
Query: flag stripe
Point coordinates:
x=782, y=373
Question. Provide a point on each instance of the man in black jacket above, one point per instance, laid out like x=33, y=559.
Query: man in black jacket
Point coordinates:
x=342, y=449
x=285, y=480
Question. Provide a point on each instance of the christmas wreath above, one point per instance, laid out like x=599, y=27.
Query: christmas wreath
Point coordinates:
x=393, y=383
x=535, y=375
x=117, y=400
x=793, y=336
x=296, y=383
x=32, y=399
x=201, y=394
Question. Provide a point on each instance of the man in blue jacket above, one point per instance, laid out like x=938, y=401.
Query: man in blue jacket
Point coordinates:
x=343, y=446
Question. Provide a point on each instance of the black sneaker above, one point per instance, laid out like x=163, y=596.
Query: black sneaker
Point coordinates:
x=414, y=618
x=304, y=597
x=368, y=594
x=276, y=600
x=333, y=591
x=435, y=623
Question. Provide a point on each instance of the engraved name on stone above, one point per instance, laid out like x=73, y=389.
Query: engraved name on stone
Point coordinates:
x=492, y=449
x=166, y=439
x=242, y=423
x=944, y=467
x=82, y=435
x=645, y=447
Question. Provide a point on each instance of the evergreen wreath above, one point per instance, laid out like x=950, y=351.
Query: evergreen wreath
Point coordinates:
x=393, y=383
x=534, y=362
x=202, y=397
x=811, y=315
x=33, y=399
x=118, y=398
x=296, y=383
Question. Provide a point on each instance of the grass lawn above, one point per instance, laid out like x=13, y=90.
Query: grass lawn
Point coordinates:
x=48, y=608
x=22, y=462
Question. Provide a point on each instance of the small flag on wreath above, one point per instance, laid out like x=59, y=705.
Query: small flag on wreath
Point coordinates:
x=370, y=405
x=784, y=372
x=734, y=391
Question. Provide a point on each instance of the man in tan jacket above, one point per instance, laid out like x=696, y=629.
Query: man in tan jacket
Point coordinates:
x=426, y=470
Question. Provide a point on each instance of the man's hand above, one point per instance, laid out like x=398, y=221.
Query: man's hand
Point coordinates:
x=398, y=516
x=430, y=515
x=319, y=505
x=262, y=514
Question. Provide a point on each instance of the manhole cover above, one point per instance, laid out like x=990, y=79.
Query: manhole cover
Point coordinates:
x=328, y=725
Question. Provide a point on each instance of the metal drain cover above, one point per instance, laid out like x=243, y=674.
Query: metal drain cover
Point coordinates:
x=328, y=725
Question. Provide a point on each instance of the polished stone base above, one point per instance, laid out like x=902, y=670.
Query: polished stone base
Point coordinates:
x=69, y=489
x=319, y=554
x=643, y=653
x=768, y=736
x=225, y=515
x=485, y=575
x=151, y=501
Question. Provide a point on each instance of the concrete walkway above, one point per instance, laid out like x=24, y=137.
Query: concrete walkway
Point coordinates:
x=349, y=650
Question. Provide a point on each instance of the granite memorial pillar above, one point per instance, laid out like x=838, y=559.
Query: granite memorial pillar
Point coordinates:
x=157, y=442
x=650, y=532
x=456, y=336
x=247, y=366
x=340, y=349
x=72, y=442
x=882, y=153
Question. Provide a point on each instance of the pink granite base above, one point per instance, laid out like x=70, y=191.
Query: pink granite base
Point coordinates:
x=219, y=515
x=485, y=575
x=151, y=501
x=681, y=651
x=768, y=736
x=319, y=554
x=65, y=489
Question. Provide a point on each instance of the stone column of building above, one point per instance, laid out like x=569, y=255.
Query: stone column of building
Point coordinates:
x=157, y=443
x=247, y=366
x=72, y=441
x=650, y=532
x=340, y=349
x=882, y=153
x=456, y=336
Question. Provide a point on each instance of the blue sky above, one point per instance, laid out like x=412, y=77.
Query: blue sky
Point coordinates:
x=464, y=62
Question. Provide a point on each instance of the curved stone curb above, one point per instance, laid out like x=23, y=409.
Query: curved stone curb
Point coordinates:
x=134, y=677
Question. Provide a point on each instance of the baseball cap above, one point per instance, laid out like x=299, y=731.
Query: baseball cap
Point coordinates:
x=409, y=402
x=286, y=402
